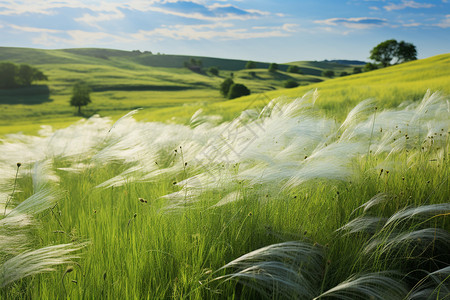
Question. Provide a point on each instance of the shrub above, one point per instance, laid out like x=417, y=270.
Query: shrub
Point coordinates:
x=293, y=69
x=214, y=70
x=250, y=65
x=291, y=83
x=225, y=86
x=238, y=90
x=370, y=67
x=344, y=74
x=328, y=73
x=357, y=70
x=273, y=67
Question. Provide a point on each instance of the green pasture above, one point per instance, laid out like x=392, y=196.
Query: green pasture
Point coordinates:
x=122, y=81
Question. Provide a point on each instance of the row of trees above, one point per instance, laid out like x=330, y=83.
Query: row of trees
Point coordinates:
x=14, y=76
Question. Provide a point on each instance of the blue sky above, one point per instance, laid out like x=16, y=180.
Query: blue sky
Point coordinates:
x=264, y=30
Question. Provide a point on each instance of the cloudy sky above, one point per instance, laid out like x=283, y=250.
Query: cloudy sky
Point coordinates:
x=263, y=30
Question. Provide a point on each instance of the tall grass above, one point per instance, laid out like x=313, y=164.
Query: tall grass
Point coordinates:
x=279, y=202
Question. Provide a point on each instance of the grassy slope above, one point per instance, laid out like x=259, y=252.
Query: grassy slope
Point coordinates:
x=124, y=80
x=390, y=87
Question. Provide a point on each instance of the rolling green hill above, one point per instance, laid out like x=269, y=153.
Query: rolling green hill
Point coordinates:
x=124, y=80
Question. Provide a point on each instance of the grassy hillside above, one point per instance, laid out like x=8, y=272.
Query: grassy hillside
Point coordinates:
x=124, y=80
x=389, y=87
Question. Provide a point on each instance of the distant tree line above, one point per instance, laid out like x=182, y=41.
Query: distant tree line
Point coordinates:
x=14, y=76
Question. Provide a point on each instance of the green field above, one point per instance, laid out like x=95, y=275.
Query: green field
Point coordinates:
x=305, y=193
x=122, y=81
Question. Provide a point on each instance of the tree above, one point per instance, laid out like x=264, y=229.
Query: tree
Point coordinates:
x=250, y=65
x=238, y=90
x=406, y=52
x=225, y=86
x=80, y=95
x=214, y=70
x=291, y=83
x=343, y=73
x=357, y=70
x=8, y=72
x=293, y=69
x=273, y=67
x=328, y=73
x=387, y=51
x=370, y=67
x=13, y=76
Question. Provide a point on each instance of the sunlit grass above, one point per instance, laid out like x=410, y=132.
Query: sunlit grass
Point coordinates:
x=160, y=215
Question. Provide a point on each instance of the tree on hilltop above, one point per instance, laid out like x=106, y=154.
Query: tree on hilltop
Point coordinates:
x=273, y=67
x=250, y=65
x=387, y=51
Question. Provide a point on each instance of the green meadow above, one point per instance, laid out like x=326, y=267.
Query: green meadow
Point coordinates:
x=336, y=189
x=122, y=81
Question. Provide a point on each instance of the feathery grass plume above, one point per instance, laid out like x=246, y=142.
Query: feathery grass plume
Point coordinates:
x=417, y=240
x=285, y=270
x=36, y=261
x=12, y=244
x=230, y=197
x=205, y=121
x=125, y=117
x=36, y=203
x=374, y=201
x=363, y=224
x=435, y=285
x=381, y=285
x=357, y=114
x=43, y=175
x=419, y=212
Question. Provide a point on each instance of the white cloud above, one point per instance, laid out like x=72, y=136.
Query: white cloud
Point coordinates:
x=101, y=17
x=445, y=23
x=79, y=38
x=48, y=7
x=415, y=24
x=406, y=4
x=354, y=23
x=33, y=29
x=221, y=31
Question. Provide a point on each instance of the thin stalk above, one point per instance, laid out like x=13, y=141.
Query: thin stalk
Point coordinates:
x=14, y=188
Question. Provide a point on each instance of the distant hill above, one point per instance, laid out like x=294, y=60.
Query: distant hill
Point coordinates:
x=109, y=56
x=348, y=62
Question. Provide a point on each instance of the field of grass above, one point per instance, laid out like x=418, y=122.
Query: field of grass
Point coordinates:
x=278, y=203
x=122, y=81
x=305, y=193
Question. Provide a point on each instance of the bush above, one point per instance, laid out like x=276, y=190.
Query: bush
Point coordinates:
x=273, y=67
x=357, y=70
x=370, y=67
x=238, y=90
x=344, y=74
x=225, y=86
x=328, y=73
x=12, y=76
x=293, y=69
x=250, y=65
x=291, y=83
x=214, y=70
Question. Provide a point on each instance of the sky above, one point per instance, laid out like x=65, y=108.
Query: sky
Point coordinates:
x=261, y=30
